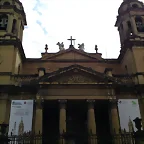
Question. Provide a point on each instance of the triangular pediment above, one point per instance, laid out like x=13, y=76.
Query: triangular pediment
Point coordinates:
x=76, y=74
x=70, y=54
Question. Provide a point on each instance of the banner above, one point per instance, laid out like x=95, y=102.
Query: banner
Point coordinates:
x=128, y=111
x=20, y=117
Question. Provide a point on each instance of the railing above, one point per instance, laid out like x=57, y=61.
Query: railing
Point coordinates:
x=126, y=138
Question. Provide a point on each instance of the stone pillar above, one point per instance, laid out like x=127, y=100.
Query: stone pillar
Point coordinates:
x=114, y=117
x=91, y=123
x=10, y=23
x=38, y=115
x=8, y=110
x=19, y=28
x=4, y=109
x=134, y=25
x=21, y=33
x=62, y=120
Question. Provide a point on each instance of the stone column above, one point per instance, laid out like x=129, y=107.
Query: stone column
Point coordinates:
x=38, y=115
x=10, y=23
x=4, y=109
x=8, y=110
x=18, y=27
x=114, y=117
x=91, y=122
x=62, y=119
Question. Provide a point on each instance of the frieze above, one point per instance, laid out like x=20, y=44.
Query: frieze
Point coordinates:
x=75, y=79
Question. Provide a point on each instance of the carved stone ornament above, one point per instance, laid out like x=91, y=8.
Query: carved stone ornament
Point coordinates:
x=81, y=46
x=77, y=79
x=61, y=46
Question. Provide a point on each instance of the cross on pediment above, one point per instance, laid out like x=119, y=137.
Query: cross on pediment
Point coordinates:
x=71, y=42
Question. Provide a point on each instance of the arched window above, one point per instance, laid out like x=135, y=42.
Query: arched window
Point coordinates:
x=135, y=6
x=129, y=25
x=129, y=28
x=14, y=30
x=139, y=24
x=3, y=22
x=6, y=3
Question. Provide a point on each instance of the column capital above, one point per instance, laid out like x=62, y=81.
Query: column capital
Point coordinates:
x=39, y=102
x=90, y=103
x=113, y=103
x=62, y=103
x=90, y=100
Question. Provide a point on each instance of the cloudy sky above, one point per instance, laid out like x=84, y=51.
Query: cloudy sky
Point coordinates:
x=89, y=21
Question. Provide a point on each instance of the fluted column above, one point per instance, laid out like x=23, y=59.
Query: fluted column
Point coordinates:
x=38, y=115
x=114, y=117
x=62, y=119
x=91, y=122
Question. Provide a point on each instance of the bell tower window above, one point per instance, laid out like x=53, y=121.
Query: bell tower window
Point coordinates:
x=3, y=22
x=6, y=3
x=135, y=6
x=139, y=24
x=14, y=30
x=129, y=28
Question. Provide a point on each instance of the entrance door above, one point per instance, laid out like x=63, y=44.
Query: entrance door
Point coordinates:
x=102, y=122
x=76, y=122
x=50, y=122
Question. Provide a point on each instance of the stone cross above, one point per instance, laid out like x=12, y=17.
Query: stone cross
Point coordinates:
x=71, y=40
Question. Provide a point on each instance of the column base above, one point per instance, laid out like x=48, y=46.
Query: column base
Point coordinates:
x=62, y=141
x=92, y=139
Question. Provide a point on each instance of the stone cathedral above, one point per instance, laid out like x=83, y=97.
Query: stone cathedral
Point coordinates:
x=73, y=91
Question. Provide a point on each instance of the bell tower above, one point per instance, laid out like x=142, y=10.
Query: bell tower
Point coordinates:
x=130, y=19
x=130, y=24
x=12, y=22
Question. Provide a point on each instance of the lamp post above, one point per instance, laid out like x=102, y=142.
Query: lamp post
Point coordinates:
x=3, y=133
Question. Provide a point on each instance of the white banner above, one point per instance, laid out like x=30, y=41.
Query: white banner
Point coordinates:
x=128, y=111
x=21, y=117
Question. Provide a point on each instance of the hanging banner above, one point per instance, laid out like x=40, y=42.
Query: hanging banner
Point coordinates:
x=21, y=117
x=128, y=111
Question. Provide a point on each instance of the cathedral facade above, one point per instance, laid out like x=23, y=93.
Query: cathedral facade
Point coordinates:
x=74, y=91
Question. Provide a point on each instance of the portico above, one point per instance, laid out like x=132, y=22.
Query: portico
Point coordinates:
x=78, y=117
x=76, y=101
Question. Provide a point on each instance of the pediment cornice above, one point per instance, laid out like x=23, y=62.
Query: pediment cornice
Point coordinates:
x=77, y=74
